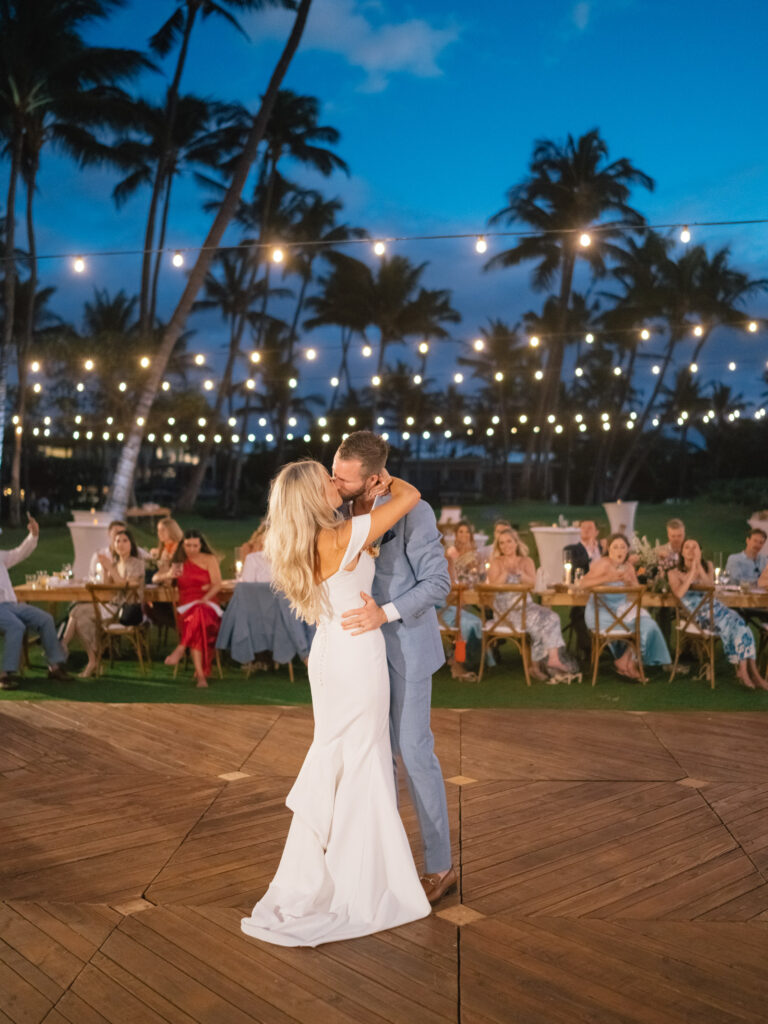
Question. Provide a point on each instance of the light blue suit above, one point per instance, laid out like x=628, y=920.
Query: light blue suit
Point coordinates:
x=412, y=572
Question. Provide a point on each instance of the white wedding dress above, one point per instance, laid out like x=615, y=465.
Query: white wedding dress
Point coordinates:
x=346, y=869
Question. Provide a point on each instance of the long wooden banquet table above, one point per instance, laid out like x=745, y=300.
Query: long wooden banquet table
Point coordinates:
x=572, y=597
x=75, y=591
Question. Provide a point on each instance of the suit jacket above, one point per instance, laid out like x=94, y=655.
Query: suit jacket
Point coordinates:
x=578, y=555
x=411, y=571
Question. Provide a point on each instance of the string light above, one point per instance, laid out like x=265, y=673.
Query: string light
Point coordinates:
x=250, y=383
x=311, y=354
x=589, y=338
x=144, y=362
x=293, y=383
x=367, y=351
x=177, y=259
x=656, y=369
x=481, y=245
x=478, y=344
x=379, y=248
x=417, y=378
x=410, y=421
x=533, y=341
x=80, y=386
x=423, y=348
x=752, y=326
x=37, y=388
x=166, y=385
x=199, y=359
x=617, y=371
x=35, y=366
x=326, y=438
x=255, y=357
x=334, y=382
x=585, y=239
x=579, y=372
x=232, y=422
x=645, y=334
x=698, y=330
x=88, y=364
x=694, y=367
x=731, y=366
x=208, y=384
x=523, y=418
x=458, y=378
x=539, y=375
x=78, y=265
x=201, y=421
x=277, y=255
x=498, y=376
x=376, y=380
x=122, y=386
x=685, y=235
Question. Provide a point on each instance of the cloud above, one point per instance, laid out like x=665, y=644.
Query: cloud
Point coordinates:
x=580, y=15
x=357, y=30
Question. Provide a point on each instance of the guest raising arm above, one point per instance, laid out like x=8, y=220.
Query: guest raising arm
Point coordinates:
x=738, y=642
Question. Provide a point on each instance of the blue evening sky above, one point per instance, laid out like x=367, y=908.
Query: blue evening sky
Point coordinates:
x=439, y=103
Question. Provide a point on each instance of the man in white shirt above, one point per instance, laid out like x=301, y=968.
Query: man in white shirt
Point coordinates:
x=16, y=618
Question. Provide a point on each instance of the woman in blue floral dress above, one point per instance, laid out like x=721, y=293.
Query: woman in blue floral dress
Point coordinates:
x=510, y=563
x=738, y=641
x=614, y=570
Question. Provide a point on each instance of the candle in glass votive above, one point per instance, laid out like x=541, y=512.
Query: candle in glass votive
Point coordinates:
x=717, y=574
x=568, y=566
x=238, y=569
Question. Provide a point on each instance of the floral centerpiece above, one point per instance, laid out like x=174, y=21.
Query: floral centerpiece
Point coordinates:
x=651, y=566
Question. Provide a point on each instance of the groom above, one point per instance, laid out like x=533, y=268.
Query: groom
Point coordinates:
x=411, y=578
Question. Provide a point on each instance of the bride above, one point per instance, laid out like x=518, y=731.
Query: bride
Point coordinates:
x=346, y=869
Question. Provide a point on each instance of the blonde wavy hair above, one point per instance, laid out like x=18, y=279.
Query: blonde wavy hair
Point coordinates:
x=298, y=510
x=522, y=549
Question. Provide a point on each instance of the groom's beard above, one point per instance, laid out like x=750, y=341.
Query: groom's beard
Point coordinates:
x=352, y=495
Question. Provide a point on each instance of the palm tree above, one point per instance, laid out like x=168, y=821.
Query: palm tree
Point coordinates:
x=140, y=151
x=54, y=88
x=177, y=29
x=121, y=484
x=571, y=188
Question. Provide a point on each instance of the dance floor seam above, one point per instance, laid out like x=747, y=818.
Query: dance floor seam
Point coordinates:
x=613, y=867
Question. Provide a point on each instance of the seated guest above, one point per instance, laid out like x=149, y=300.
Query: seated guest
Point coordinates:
x=675, y=538
x=124, y=566
x=763, y=581
x=512, y=564
x=615, y=570
x=256, y=567
x=486, y=553
x=582, y=555
x=195, y=569
x=738, y=641
x=464, y=561
x=748, y=565
x=115, y=527
x=16, y=617
x=169, y=535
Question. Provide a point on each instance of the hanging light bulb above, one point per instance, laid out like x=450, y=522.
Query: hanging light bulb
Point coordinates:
x=523, y=418
x=376, y=380
x=579, y=372
x=458, y=378
x=533, y=341
x=685, y=235
x=585, y=239
x=498, y=376
x=417, y=378
x=731, y=366
x=589, y=338
x=752, y=326
x=250, y=383
x=89, y=364
x=694, y=367
x=481, y=245
x=379, y=248
x=334, y=382
x=423, y=348
x=78, y=265
x=645, y=334
x=617, y=371
x=144, y=362
x=539, y=375
x=199, y=359
x=367, y=351
x=208, y=384
x=293, y=383
x=698, y=330
x=255, y=357
x=478, y=344
x=166, y=385
x=311, y=354
x=656, y=369
x=277, y=255
x=35, y=366
x=177, y=259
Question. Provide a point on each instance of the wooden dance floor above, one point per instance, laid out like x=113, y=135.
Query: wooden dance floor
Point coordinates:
x=614, y=868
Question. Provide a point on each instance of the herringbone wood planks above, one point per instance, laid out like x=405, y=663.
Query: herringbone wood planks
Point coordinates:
x=614, y=868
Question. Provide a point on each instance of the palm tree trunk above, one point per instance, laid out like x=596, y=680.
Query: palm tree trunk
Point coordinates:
x=550, y=396
x=641, y=443
x=23, y=350
x=126, y=467
x=171, y=103
x=9, y=283
x=160, y=246
x=189, y=495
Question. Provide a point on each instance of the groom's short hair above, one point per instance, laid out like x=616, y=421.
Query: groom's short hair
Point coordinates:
x=370, y=449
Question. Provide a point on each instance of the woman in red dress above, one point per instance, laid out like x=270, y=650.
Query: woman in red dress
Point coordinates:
x=196, y=571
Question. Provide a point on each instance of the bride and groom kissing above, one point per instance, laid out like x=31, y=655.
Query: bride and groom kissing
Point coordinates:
x=346, y=869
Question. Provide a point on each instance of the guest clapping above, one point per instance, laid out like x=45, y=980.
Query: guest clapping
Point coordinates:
x=614, y=570
x=738, y=641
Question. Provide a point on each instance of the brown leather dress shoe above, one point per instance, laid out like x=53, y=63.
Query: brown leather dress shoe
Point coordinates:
x=436, y=886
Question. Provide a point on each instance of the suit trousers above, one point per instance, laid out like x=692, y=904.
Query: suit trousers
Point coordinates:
x=412, y=740
x=14, y=621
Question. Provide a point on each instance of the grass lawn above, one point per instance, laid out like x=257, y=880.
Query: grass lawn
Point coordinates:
x=720, y=528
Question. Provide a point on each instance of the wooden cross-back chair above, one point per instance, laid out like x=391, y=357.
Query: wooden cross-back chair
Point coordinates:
x=109, y=630
x=617, y=626
x=692, y=632
x=451, y=631
x=498, y=626
x=173, y=593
